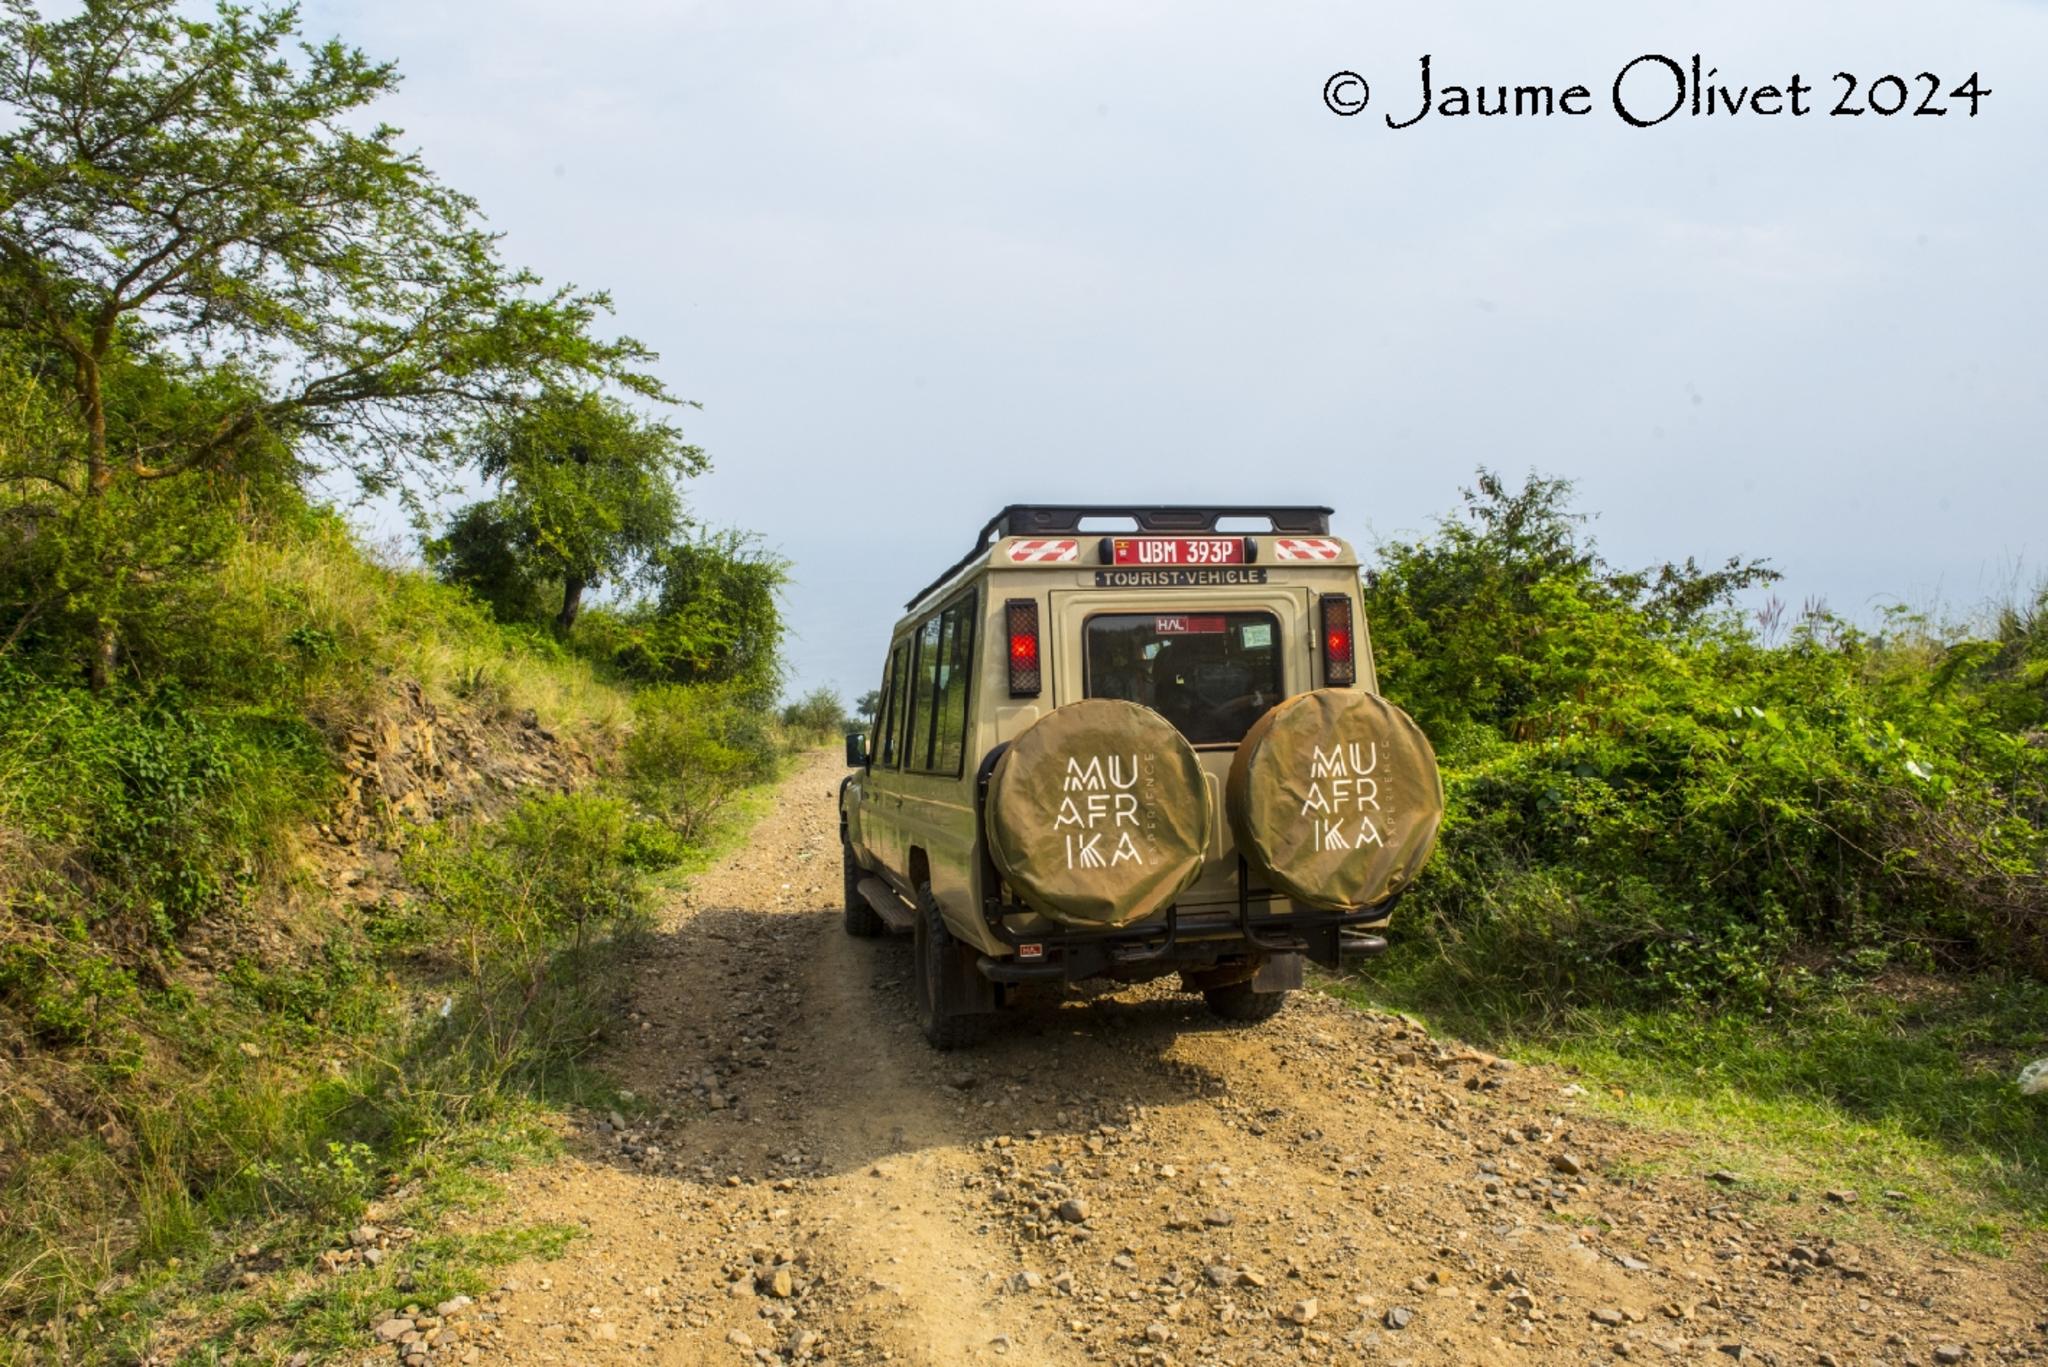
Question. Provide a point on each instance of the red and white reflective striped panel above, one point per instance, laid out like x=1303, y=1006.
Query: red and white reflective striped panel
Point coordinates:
x=1305, y=548
x=1043, y=552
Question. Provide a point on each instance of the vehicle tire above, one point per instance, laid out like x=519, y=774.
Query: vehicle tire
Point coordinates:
x=862, y=921
x=931, y=944
x=1238, y=1003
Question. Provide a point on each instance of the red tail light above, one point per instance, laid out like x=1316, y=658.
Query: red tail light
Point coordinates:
x=1026, y=676
x=1340, y=661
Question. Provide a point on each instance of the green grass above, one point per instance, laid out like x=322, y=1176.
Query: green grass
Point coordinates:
x=193, y=1307
x=159, y=1113
x=1900, y=1084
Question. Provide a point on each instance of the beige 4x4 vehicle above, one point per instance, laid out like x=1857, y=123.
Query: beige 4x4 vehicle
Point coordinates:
x=1156, y=750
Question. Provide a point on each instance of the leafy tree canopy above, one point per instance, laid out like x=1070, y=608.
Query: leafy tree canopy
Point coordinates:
x=190, y=188
x=588, y=489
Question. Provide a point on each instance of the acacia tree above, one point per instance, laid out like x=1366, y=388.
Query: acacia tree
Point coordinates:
x=588, y=489
x=194, y=190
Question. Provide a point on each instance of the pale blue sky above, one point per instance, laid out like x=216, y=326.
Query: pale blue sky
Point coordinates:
x=917, y=261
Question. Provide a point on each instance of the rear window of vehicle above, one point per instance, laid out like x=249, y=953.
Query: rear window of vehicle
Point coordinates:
x=1212, y=674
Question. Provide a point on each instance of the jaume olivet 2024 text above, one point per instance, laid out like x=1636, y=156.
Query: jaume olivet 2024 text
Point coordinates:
x=1654, y=89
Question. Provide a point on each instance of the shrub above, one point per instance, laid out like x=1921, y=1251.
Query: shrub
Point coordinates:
x=1645, y=799
x=518, y=906
x=817, y=717
x=166, y=809
x=693, y=747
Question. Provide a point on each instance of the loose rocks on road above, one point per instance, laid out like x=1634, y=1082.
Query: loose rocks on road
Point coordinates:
x=1112, y=1179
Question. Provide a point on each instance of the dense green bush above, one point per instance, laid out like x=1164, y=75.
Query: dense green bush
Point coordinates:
x=692, y=749
x=818, y=716
x=1648, y=799
x=521, y=906
x=713, y=620
x=161, y=806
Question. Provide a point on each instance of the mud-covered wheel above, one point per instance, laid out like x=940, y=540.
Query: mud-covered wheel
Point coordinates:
x=937, y=1012
x=861, y=919
x=1239, y=1004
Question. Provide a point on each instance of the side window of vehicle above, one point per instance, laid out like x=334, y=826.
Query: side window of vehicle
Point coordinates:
x=942, y=668
x=891, y=719
x=949, y=732
x=925, y=672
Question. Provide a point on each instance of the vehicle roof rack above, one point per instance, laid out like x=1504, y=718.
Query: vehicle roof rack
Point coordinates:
x=1052, y=519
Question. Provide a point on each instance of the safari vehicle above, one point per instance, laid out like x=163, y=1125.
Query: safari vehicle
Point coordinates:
x=1123, y=742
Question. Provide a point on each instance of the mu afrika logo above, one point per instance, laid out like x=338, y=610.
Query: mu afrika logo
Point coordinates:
x=1341, y=786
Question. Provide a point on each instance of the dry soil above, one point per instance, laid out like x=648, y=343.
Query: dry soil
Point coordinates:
x=1120, y=1179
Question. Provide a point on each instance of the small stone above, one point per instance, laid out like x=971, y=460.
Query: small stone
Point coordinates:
x=1566, y=1164
x=1073, y=1210
x=1219, y=1218
x=1629, y=1264
x=1950, y=1352
x=1219, y=1275
x=1724, y=1177
x=1400, y=1317
x=1841, y=1196
x=1608, y=1316
x=392, y=1330
x=449, y=1307
x=1303, y=1310
x=776, y=1284
x=738, y=1339
x=1026, y=1280
x=1247, y=1277
x=1155, y=1332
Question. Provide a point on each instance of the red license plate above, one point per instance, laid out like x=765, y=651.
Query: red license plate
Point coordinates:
x=1177, y=550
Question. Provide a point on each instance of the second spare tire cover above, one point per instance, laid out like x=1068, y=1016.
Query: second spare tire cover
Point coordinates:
x=1099, y=814
x=1334, y=797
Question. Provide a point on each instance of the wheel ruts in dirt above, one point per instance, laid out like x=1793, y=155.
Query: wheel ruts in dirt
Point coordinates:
x=1098, y=814
x=1334, y=798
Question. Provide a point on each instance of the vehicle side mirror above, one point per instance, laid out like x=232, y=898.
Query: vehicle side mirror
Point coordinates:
x=856, y=749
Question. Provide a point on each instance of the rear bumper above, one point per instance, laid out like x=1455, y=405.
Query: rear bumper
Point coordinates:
x=1183, y=940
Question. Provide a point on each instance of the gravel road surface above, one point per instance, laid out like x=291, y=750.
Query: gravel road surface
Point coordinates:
x=1116, y=1178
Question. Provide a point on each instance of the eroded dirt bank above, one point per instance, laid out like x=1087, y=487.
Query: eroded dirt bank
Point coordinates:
x=1120, y=1180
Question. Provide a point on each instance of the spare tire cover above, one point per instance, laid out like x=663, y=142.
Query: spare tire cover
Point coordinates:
x=1099, y=814
x=1334, y=797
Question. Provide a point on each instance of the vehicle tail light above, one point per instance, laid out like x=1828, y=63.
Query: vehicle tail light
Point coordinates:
x=1026, y=674
x=1340, y=660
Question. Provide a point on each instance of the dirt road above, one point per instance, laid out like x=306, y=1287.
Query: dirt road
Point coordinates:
x=1121, y=1180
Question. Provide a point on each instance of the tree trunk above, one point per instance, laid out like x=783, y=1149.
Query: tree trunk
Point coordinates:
x=99, y=477
x=100, y=669
x=572, y=603
x=99, y=474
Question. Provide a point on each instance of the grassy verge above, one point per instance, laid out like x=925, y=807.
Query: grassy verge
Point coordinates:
x=1901, y=1084
x=469, y=1030
x=211, y=1069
